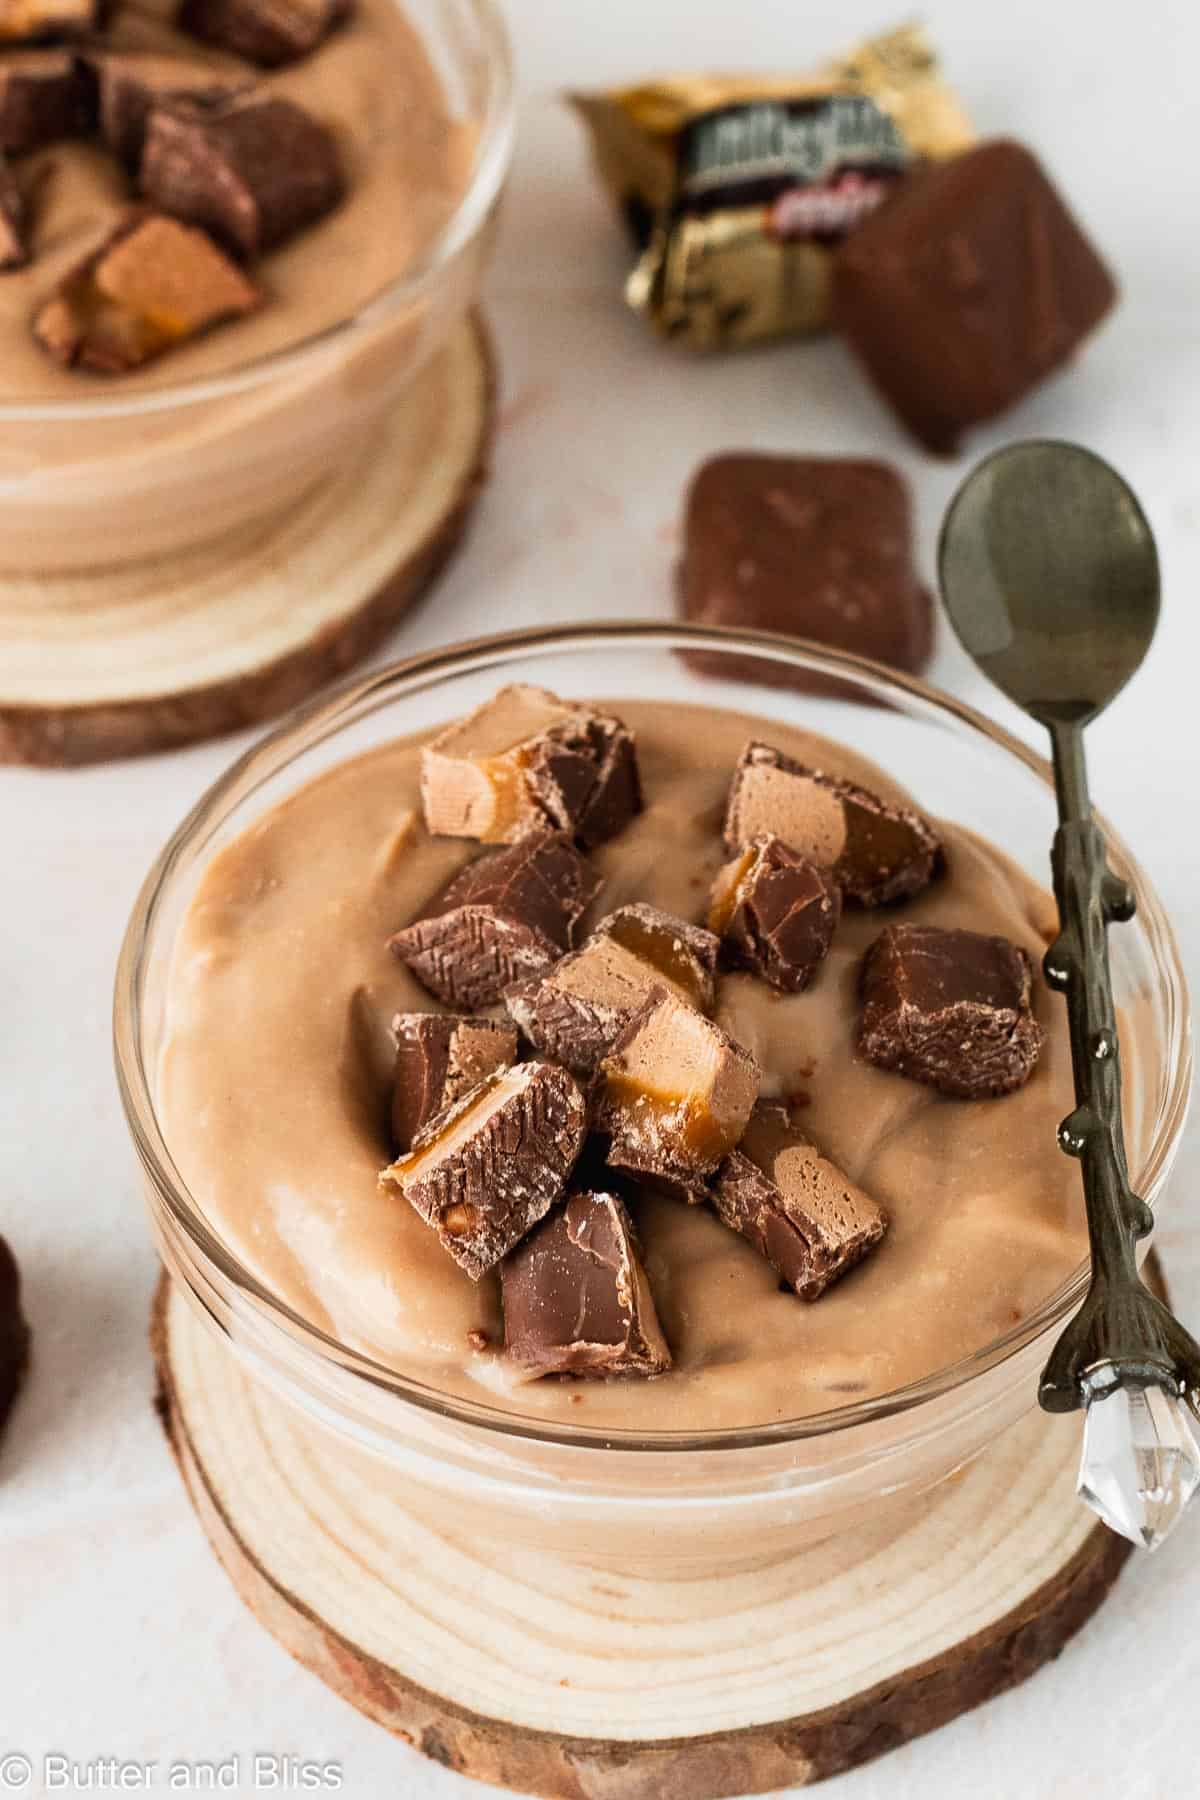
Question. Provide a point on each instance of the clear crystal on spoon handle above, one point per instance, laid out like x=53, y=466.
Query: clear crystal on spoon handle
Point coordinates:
x=1141, y=1462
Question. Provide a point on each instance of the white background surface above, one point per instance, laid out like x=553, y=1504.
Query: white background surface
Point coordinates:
x=118, y=1633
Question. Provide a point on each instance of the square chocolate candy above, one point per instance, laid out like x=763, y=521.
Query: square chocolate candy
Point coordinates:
x=795, y=1206
x=132, y=83
x=674, y=1095
x=950, y=1008
x=506, y=917
x=576, y=1297
x=814, y=547
x=874, y=850
x=486, y=1170
x=439, y=1058
x=775, y=913
x=525, y=758
x=970, y=286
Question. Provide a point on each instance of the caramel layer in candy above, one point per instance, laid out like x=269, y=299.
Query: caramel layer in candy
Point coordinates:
x=14, y=220
x=674, y=1093
x=775, y=912
x=14, y=1333
x=794, y=1205
x=268, y=32
x=576, y=1012
x=967, y=289
x=576, y=1298
x=44, y=95
x=31, y=21
x=816, y=547
x=875, y=851
x=527, y=758
x=950, y=1008
x=439, y=1058
x=485, y=1171
x=253, y=171
x=152, y=285
x=132, y=83
x=506, y=917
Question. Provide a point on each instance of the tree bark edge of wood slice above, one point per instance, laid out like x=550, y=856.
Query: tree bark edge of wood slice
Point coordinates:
x=742, y=1760
x=68, y=734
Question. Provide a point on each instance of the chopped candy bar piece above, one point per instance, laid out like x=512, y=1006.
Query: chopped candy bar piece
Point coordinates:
x=674, y=1093
x=576, y=1012
x=794, y=1205
x=439, y=1058
x=775, y=912
x=527, y=758
x=31, y=21
x=875, y=851
x=44, y=95
x=507, y=916
x=269, y=32
x=131, y=84
x=576, y=1298
x=14, y=220
x=152, y=285
x=950, y=1008
x=253, y=171
x=488, y=1168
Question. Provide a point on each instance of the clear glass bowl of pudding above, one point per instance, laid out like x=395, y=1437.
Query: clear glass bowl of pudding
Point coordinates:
x=259, y=1138
x=233, y=429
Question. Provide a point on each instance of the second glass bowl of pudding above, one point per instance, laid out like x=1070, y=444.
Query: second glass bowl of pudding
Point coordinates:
x=235, y=428
x=779, y=1445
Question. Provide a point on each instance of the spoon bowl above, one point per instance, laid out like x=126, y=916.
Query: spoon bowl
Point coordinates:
x=1050, y=577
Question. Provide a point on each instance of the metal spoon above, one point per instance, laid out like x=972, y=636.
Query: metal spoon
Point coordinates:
x=1050, y=576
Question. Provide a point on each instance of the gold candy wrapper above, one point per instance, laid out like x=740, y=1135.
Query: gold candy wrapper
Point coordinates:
x=739, y=188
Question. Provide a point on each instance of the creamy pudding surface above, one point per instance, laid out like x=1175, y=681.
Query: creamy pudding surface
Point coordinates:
x=275, y=1082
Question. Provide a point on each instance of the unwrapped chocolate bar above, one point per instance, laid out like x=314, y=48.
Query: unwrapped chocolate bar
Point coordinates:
x=269, y=32
x=253, y=171
x=775, y=913
x=576, y=1297
x=795, y=1206
x=526, y=758
x=439, y=1058
x=484, y=1172
x=950, y=1008
x=44, y=95
x=674, y=1094
x=576, y=1012
x=507, y=916
x=737, y=188
x=152, y=285
x=874, y=850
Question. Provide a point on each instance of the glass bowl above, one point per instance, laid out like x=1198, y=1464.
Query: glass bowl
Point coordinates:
x=98, y=474
x=616, y=1493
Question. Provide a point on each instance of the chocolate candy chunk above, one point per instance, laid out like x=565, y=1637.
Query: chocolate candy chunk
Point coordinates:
x=674, y=1094
x=486, y=1170
x=31, y=21
x=775, y=912
x=874, y=851
x=507, y=916
x=577, y=1011
x=967, y=289
x=527, y=758
x=253, y=172
x=439, y=1058
x=14, y=1333
x=14, y=220
x=950, y=1008
x=576, y=1298
x=152, y=285
x=131, y=85
x=794, y=1205
x=269, y=32
x=818, y=548
x=44, y=95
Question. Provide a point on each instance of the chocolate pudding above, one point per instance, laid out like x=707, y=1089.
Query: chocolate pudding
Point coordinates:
x=275, y=1088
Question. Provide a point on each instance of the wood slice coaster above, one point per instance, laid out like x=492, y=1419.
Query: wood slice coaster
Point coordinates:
x=560, y=1680
x=155, y=654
